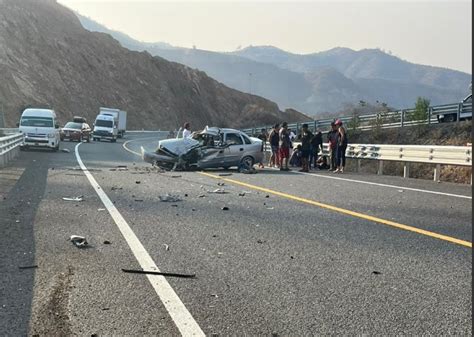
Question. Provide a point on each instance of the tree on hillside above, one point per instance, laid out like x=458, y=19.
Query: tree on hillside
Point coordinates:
x=421, y=110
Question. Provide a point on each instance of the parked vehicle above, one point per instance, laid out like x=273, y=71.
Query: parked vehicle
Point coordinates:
x=76, y=131
x=465, y=113
x=210, y=148
x=40, y=128
x=120, y=119
x=105, y=128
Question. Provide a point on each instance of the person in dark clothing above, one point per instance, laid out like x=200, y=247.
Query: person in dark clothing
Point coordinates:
x=316, y=145
x=342, y=142
x=332, y=144
x=274, y=139
x=284, y=144
x=305, y=138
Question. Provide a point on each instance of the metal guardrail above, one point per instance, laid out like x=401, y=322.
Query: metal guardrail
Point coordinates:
x=9, y=147
x=429, y=154
x=8, y=131
x=389, y=119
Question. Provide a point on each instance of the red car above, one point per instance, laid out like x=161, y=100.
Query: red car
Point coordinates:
x=76, y=131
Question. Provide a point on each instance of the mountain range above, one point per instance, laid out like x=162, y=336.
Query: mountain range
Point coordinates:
x=313, y=83
x=48, y=59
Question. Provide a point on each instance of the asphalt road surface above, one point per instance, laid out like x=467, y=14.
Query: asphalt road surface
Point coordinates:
x=280, y=253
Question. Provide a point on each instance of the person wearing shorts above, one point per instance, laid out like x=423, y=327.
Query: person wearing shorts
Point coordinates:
x=284, y=145
x=274, y=139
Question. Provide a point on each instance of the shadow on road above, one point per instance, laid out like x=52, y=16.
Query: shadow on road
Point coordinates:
x=17, y=250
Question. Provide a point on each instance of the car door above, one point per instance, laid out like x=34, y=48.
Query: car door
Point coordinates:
x=235, y=149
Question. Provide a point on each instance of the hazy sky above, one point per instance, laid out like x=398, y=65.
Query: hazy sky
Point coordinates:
x=428, y=32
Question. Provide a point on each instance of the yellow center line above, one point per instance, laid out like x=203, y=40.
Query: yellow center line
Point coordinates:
x=346, y=211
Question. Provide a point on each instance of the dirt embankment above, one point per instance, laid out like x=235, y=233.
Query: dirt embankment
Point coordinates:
x=441, y=134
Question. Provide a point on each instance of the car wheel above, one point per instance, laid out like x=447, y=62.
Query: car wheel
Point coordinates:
x=113, y=140
x=56, y=149
x=248, y=161
x=226, y=167
x=450, y=118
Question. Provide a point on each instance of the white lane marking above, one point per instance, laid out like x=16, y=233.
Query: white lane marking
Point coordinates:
x=177, y=310
x=124, y=145
x=385, y=185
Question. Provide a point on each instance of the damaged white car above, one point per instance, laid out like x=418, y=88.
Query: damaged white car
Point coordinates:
x=209, y=148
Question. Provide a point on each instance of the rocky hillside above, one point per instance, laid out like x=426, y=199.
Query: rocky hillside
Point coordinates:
x=48, y=59
x=314, y=83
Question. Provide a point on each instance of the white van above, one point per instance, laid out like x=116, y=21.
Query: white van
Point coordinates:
x=40, y=129
x=105, y=128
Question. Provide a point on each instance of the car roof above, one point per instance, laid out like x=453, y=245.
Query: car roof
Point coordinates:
x=38, y=112
x=214, y=130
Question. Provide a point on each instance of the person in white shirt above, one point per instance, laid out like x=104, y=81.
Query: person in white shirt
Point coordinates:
x=187, y=130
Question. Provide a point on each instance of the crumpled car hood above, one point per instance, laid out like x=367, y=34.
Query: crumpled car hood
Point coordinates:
x=177, y=147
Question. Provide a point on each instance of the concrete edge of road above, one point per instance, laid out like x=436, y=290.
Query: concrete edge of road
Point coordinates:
x=175, y=307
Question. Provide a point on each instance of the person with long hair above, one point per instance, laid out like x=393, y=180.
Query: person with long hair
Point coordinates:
x=342, y=142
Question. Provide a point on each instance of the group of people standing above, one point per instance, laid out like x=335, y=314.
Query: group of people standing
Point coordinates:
x=307, y=153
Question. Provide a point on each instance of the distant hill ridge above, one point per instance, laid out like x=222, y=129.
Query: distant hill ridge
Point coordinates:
x=48, y=59
x=305, y=82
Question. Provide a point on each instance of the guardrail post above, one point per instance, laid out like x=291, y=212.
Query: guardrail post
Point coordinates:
x=430, y=112
x=459, y=112
x=359, y=162
x=380, y=169
x=315, y=125
x=437, y=172
x=406, y=170
x=402, y=118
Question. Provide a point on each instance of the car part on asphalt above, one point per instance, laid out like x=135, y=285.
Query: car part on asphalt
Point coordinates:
x=77, y=199
x=169, y=198
x=153, y=272
x=79, y=241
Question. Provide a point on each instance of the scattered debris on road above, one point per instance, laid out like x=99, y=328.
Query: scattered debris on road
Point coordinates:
x=107, y=242
x=270, y=208
x=153, y=272
x=77, y=199
x=267, y=196
x=79, y=241
x=242, y=194
x=28, y=267
x=260, y=241
x=114, y=188
x=100, y=209
x=169, y=198
x=201, y=196
x=65, y=150
x=218, y=191
x=224, y=174
x=166, y=246
x=376, y=272
x=137, y=182
x=225, y=208
x=176, y=176
x=220, y=184
x=139, y=200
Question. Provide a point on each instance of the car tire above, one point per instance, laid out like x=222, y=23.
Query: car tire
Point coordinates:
x=248, y=161
x=226, y=167
x=450, y=118
x=113, y=140
x=56, y=149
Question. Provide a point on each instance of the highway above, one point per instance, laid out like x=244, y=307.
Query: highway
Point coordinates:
x=279, y=253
